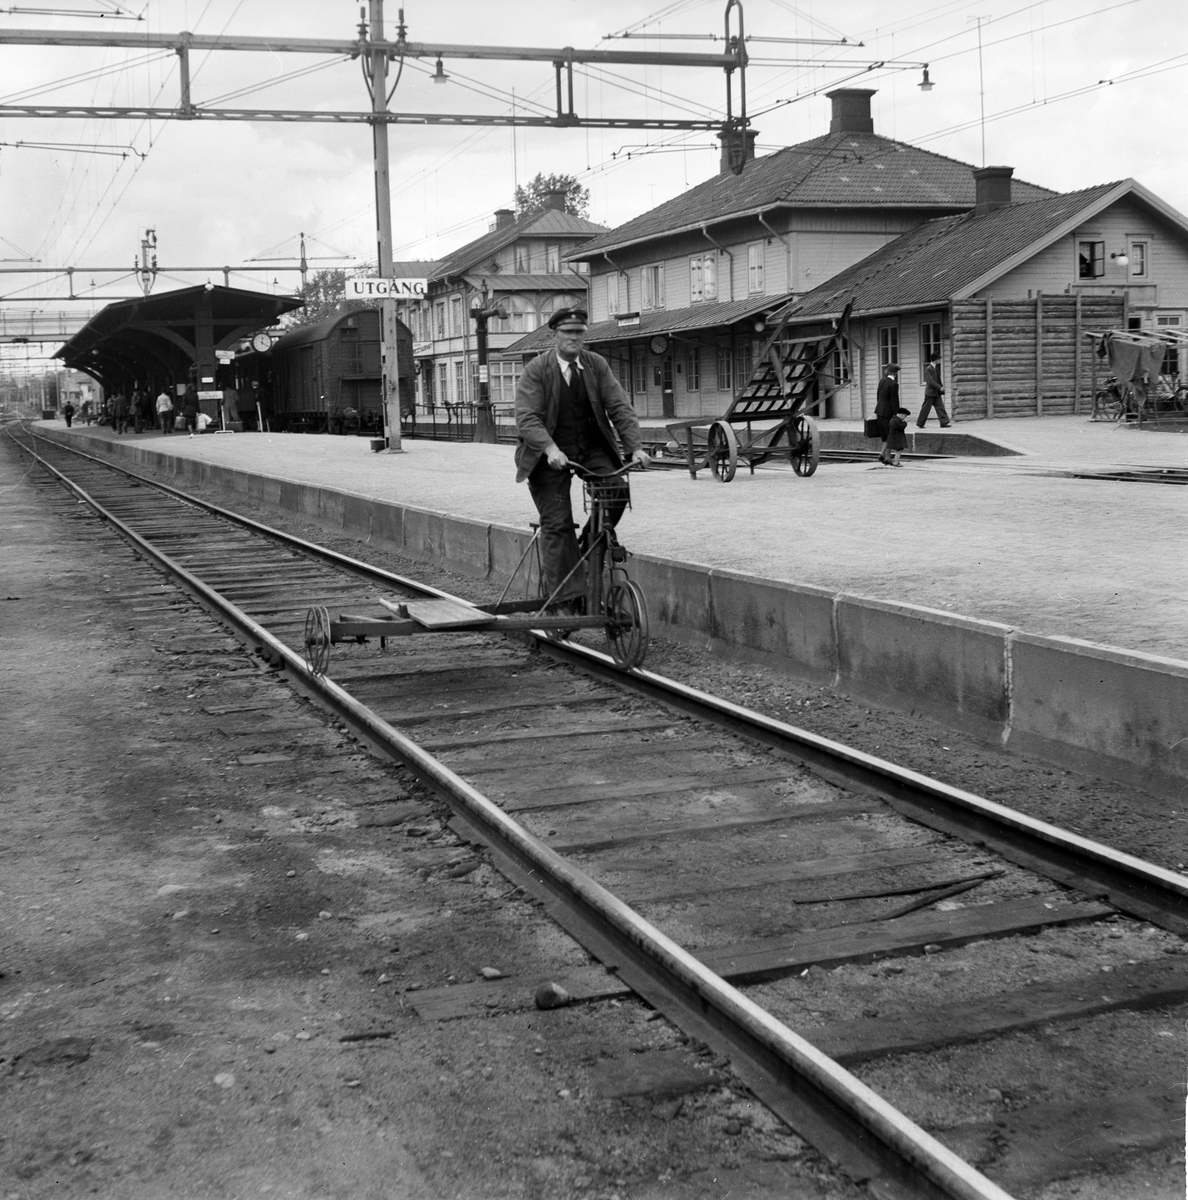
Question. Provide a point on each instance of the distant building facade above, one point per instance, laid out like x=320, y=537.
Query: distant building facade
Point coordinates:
x=680, y=296
x=520, y=265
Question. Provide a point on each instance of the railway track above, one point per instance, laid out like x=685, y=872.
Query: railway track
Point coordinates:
x=745, y=877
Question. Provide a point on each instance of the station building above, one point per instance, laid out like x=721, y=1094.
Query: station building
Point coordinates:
x=680, y=295
x=1007, y=294
x=520, y=265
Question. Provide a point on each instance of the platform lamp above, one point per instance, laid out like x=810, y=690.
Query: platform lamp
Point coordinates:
x=481, y=311
x=1120, y=258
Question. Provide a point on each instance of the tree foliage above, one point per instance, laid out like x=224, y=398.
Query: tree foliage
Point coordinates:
x=324, y=295
x=530, y=200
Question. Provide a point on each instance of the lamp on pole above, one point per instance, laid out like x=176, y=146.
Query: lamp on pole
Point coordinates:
x=482, y=310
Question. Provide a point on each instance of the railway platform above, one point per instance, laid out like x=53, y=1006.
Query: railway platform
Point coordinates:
x=1038, y=540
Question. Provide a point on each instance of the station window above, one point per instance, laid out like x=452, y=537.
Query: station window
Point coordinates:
x=725, y=375
x=1139, y=262
x=755, y=267
x=745, y=364
x=639, y=371
x=1090, y=260
x=1171, y=357
x=439, y=309
x=693, y=369
x=459, y=382
x=612, y=294
x=652, y=280
x=457, y=328
x=930, y=343
x=703, y=278
x=888, y=346
x=553, y=259
x=443, y=382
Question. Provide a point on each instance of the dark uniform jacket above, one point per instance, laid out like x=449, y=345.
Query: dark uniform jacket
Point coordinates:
x=932, y=382
x=538, y=397
x=886, y=403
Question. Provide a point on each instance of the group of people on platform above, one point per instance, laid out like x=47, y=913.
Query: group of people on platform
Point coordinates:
x=892, y=418
x=137, y=411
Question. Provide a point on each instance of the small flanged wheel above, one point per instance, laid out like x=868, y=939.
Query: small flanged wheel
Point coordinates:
x=722, y=451
x=626, y=623
x=805, y=445
x=317, y=639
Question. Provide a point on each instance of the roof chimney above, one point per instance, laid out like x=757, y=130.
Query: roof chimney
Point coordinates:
x=504, y=217
x=993, y=186
x=737, y=150
x=851, y=110
x=555, y=200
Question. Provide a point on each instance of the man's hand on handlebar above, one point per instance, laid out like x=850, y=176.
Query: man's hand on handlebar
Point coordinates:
x=641, y=459
x=556, y=458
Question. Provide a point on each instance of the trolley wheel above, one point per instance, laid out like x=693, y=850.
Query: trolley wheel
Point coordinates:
x=805, y=445
x=722, y=451
x=626, y=623
x=317, y=639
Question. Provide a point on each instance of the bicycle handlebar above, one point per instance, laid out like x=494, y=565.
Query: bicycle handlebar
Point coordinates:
x=585, y=473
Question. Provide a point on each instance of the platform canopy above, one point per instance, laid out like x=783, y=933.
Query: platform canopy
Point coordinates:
x=160, y=338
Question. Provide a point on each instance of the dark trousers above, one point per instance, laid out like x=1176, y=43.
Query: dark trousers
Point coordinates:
x=137, y=422
x=69, y=418
x=931, y=402
x=165, y=419
x=119, y=423
x=560, y=549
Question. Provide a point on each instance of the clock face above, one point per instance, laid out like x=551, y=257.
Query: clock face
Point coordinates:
x=261, y=342
x=658, y=345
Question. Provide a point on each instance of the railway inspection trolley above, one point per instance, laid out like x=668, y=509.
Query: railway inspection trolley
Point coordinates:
x=613, y=602
x=791, y=376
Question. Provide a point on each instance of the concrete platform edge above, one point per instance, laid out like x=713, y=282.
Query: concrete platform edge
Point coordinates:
x=1101, y=709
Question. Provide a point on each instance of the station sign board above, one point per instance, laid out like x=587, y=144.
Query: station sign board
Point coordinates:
x=387, y=289
x=207, y=394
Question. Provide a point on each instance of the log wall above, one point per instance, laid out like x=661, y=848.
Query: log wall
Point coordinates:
x=1032, y=368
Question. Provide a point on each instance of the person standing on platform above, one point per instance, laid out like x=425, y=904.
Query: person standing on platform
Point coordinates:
x=165, y=411
x=933, y=391
x=68, y=413
x=190, y=410
x=119, y=412
x=570, y=408
x=897, y=436
x=886, y=406
x=136, y=409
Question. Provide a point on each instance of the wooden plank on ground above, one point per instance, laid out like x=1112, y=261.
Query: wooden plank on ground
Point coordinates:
x=522, y=762
x=1143, y=985
x=667, y=830
x=636, y=788
x=772, y=958
x=833, y=878
x=447, y=614
x=586, y=729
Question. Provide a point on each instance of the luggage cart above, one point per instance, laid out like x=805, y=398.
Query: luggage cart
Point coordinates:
x=791, y=376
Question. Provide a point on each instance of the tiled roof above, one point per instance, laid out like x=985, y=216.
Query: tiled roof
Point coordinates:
x=837, y=170
x=548, y=223
x=414, y=268
x=934, y=262
x=565, y=282
x=669, y=320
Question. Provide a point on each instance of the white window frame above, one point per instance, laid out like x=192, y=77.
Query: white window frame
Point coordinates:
x=755, y=255
x=651, y=282
x=1095, y=260
x=523, y=259
x=693, y=368
x=553, y=258
x=888, y=346
x=1143, y=246
x=725, y=369
x=929, y=344
x=696, y=279
x=1171, y=320
x=612, y=294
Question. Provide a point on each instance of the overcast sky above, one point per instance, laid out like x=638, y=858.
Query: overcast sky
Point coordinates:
x=224, y=193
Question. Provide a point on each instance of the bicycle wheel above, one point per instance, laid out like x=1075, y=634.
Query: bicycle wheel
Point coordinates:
x=1108, y=404
x=626, y=623
x=722, y=451
x=317, y=640
x=804, y=445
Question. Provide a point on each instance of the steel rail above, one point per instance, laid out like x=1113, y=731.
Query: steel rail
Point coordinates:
x=830, y=1106
x=1134, y=886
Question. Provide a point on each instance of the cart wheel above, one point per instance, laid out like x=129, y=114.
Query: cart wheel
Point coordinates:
x=805, y=445
x=627, y=623
x=317, y=639
x=722, y=451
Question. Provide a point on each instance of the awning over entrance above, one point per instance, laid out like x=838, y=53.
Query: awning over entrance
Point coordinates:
x=160, y=338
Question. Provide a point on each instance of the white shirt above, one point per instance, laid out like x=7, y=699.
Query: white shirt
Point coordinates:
x=565, y=364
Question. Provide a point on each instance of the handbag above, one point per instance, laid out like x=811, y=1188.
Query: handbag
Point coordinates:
x=870, y=428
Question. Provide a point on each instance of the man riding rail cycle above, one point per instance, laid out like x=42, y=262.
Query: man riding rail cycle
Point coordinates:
x=571, y=409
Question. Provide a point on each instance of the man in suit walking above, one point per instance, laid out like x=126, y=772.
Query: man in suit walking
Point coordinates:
x=886, y=406
x=570, y=408
x=933, y=391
